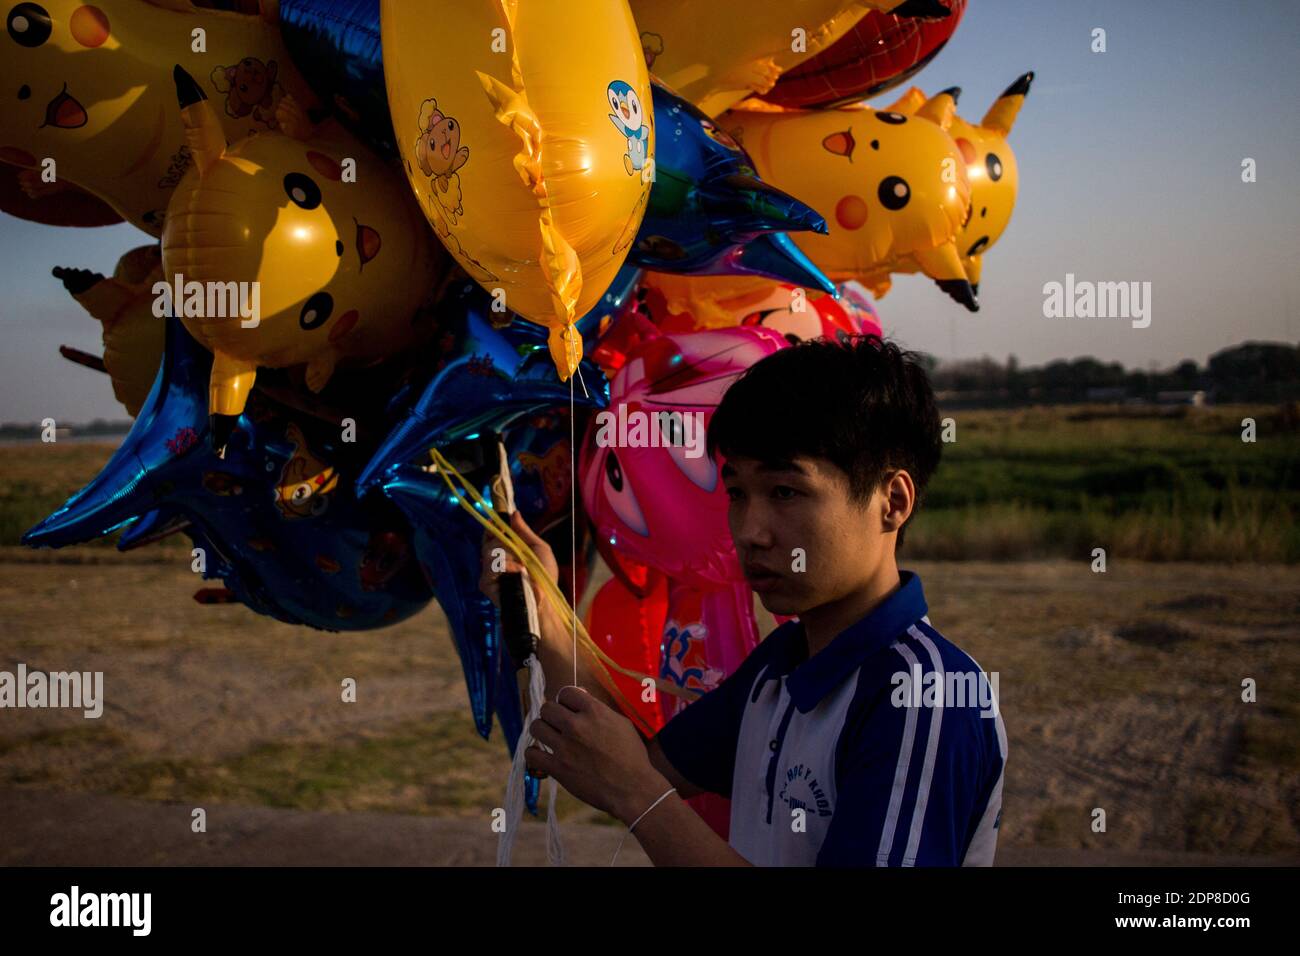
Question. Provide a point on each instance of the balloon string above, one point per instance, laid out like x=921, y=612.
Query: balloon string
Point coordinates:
x=514, y=803
x=573, y=522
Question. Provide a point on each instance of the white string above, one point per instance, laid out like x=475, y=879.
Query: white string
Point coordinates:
x=514, y=808
x=573, y=517
x=515, y=784
x=662, y=798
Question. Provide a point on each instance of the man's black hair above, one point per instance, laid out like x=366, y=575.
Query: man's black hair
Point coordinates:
x=864, y=404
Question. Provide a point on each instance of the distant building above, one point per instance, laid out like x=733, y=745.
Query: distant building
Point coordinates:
x=1190, y=396
x=1108, y=393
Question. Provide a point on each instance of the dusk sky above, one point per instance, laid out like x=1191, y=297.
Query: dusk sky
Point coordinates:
x=1130, y=166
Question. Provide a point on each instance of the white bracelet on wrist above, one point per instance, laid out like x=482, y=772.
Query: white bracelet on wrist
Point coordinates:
x=662, y=798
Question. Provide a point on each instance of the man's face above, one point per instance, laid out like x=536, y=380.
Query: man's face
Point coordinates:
x=801, y=539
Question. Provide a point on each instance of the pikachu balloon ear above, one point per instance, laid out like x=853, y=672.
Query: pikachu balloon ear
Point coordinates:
x=943, y=265
x=908, y=103
x=1002, y=114
x=203, y=133
x=232, y=378
x=942, y=107
x=974, y=265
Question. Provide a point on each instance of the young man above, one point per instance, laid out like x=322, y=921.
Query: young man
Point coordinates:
x=854, y=736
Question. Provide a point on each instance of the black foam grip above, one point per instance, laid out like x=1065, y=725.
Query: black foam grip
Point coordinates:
x=515, y=629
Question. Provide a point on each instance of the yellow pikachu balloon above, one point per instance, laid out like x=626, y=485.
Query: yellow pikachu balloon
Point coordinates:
x=94, y=93
x=291, y=247
x=717, y=52
x=124, y=304
x=893, y=187
x=991, y=168
x=527, y=134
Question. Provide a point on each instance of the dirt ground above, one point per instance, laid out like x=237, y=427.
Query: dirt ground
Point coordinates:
x=1120, y=691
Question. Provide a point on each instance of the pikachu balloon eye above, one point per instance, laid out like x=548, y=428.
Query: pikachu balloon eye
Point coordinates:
x=29, y=24
x=316, y=311
x=893, y=119
x=994, y=166
x=300, y=188
x=894, y=192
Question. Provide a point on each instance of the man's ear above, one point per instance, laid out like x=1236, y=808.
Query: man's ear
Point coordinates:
x=898, y=498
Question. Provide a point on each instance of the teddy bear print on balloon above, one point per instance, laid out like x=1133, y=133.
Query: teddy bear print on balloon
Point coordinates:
x=251, y=89
x=439, y=154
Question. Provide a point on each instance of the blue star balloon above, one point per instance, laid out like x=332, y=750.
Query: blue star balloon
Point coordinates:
x=709, y=213
x=487, y=379
x=275, y=519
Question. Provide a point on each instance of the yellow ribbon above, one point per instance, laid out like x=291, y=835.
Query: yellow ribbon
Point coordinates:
x=487, y=516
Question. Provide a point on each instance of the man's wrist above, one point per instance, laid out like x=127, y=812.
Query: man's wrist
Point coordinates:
x=639, y=799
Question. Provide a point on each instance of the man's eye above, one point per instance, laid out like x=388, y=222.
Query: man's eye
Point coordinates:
x=784, y=492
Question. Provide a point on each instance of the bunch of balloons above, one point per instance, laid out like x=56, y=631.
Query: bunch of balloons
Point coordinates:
x=552, y=225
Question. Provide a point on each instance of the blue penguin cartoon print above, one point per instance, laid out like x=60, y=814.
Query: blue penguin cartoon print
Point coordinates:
x=629, y=116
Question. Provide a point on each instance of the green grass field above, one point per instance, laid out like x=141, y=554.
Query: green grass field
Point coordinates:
x=1150, y=484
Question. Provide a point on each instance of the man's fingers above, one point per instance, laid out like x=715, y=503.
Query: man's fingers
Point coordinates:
x=539, y=762
x=494, y=559
x=494, y=552
x=561, y=718
x=528, y=534
x=545, y=733
x=574, y=698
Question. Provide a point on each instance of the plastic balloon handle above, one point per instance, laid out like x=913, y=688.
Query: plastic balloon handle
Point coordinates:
x=519, y=623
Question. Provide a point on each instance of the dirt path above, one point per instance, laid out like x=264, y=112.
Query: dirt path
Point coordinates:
x=77, y=829
x=66, y=829
x=1120, y=692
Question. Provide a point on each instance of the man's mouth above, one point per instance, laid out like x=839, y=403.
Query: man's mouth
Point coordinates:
x=64, y=112
x=762, y=579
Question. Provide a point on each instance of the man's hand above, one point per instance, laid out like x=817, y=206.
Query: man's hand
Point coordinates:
x=496, y=560
x=597, y=755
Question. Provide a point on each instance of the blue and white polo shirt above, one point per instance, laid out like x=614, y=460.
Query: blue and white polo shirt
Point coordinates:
x=846, y=758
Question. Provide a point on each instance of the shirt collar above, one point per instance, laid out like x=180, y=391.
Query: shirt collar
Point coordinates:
x=811, y=679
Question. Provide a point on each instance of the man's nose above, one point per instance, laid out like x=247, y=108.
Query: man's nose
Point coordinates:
x=752, y=529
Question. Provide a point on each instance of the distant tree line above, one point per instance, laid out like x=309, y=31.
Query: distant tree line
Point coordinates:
x=12, y=431
x=1251, y=372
